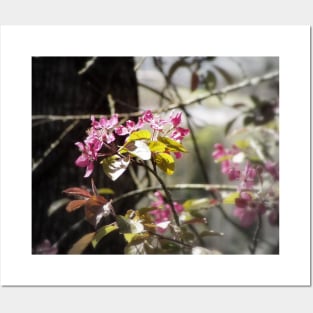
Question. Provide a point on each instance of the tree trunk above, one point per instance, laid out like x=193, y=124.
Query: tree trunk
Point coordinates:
x=59, y=89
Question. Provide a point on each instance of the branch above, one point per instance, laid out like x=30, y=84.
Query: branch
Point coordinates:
x=218, y=92
x=54, y=145
x=206, y=187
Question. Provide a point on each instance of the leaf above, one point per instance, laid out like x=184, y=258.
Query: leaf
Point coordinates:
x=102, y=232
x=165, y=162
x=114, y=166
x=157, y=146
x=210, y=80
x=77, y=192
x=56, y=205
x=210, y=233
x=228, y=78
x=74, y=205
x=179, y=63
x=123, y=224
x=242, y=144
x=139, y=149
x=230, y=199
x=229, y=125
x=172, y=145
x=248, y=120
x=194, y=81
x=96, y=208
x=106, y=191
x=196, y=203
x=139, y=135
x=80, y=245
x=135, y=239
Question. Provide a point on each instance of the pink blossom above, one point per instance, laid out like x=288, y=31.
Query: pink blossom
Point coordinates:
x=175, y=119
x=148, y=116
x=248, y=176
x=247, y=209
x=162, y=212
x=273, y=169
x=89, y=154
x=179, y=133
x=45, y=247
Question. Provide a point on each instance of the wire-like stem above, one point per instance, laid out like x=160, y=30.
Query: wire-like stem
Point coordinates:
x=223, y=91
x=256, y=234
x=171, y=239
x=167, y=193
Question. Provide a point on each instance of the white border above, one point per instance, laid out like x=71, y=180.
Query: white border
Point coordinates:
x=19, y=44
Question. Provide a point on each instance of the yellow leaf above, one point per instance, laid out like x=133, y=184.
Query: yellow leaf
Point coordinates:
x=230, y=199
x=172, y=145
x=139, y=135
x=102, y=232
x=165, y=162
x=79, y=246
x=157, y=146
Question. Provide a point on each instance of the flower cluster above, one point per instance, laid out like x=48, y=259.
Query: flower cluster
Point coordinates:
x=249, y=205
x=162, y=213
x=101, y=136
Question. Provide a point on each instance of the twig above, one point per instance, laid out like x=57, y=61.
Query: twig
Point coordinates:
x=54, y=145
x=170, y=239
x=140, y=62
x=255, y=238
x=245, y=83
x=196, y=147
x=167, y=193
x=206, y=187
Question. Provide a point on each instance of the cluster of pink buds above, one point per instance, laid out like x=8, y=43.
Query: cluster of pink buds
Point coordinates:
x=249, y=205
x=162, y=213
x=101, y=136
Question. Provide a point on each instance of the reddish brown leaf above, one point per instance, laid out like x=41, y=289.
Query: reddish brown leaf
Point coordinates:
x=94, y=210
x=77, y=192
x=194, y=81
x=74, y=205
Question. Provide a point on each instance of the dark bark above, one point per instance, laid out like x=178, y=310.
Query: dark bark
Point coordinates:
x=57, y=88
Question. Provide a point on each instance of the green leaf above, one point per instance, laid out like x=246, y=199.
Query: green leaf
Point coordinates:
x=102, y=232
x=139, y=149
x=139, y=135
x=230, y=199
x=229, y=125
x=172, y=145
x=135, y=239
x=242, y=144
x=210, y=80
x=114, y=166
x=226, y=75
x=123, y=224
x=80, y=245
x=106, y=191
x=157, y=146
x=165, y=162
x=145, y=210
x=196, y=203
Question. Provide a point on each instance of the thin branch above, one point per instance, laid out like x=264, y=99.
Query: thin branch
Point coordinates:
x=196, y=147
x=206, y=187
x=54, y=145
x=140, y=62
x=256, y=234
x=245, y=83
x=166, y=190
x=170, y=239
